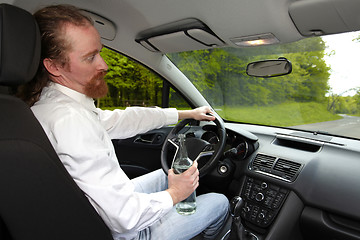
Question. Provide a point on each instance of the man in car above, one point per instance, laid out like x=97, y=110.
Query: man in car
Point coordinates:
x=70, y=76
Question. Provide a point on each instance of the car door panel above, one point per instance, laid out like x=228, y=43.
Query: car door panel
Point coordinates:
x=140, y=154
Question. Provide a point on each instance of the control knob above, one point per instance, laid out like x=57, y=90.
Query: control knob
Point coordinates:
x=259, y=197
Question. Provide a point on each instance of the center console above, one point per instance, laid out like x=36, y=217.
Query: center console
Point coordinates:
x=262, y=201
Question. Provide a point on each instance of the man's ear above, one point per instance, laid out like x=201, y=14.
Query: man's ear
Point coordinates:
x=51, y=67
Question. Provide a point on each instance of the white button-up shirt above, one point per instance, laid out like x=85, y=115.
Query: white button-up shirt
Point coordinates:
x=81, y=135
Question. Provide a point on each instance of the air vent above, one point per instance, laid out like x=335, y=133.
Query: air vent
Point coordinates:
x=263, y=161
x=288, y=168
x=276, y=167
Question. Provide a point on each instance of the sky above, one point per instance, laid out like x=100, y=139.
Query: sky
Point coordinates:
x=344, y=66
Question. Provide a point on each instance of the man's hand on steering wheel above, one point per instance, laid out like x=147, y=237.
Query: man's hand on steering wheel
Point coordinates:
x=201, y=114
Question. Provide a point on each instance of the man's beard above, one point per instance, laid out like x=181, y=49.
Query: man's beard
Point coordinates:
x=97, y=87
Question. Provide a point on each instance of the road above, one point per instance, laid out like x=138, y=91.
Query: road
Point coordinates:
x=348, y=126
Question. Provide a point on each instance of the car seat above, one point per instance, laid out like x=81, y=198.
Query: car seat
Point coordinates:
x=38, y=198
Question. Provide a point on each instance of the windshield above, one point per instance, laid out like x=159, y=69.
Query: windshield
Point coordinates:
x=321, y=94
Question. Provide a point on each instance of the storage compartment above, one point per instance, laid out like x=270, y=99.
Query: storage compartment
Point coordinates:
x=297, y=145
x=317, y=224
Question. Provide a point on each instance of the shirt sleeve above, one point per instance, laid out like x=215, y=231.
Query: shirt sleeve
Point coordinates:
x=127, y=123
x=86, y=150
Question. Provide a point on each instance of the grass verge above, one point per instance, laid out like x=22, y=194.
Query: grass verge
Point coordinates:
x=284, y=115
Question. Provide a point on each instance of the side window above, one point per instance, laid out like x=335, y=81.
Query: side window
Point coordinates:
x=132, y=84
x=177, y=101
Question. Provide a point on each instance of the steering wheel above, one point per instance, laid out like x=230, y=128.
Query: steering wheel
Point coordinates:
x=197, y=148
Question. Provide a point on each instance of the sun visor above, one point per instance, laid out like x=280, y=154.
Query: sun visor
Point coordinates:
x=105, y=27
x=322, y=17
x=184, y=35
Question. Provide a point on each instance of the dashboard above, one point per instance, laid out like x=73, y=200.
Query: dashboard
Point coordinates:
x=295, y=185
x=307, y=182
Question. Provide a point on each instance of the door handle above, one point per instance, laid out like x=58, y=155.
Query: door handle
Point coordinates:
x=151, y=138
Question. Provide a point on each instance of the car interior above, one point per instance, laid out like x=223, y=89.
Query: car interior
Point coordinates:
x=283, y=183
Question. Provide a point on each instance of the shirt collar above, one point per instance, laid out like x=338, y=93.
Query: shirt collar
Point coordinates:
x=79, y=97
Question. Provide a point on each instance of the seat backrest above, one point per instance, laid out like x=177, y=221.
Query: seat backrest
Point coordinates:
x=38, y=198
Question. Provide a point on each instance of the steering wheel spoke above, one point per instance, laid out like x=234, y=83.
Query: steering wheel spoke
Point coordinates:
x=204, y=154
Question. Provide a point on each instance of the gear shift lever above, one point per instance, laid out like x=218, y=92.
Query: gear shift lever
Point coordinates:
x=238, y=231
x=236, y=205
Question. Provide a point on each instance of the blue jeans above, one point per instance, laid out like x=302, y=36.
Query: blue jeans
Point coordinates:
x=211, y=212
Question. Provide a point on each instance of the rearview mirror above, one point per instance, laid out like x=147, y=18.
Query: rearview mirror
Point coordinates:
x=269, y=68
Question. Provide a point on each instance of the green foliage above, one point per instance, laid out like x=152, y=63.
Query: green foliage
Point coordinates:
x=345, y=105
x=220, y=75
x=218, y=71
x=357, y=39
x=129, y=83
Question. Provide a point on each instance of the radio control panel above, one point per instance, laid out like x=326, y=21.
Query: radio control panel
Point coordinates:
x=262, y=201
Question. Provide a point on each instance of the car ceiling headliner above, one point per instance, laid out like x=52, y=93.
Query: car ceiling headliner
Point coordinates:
x=236, y=18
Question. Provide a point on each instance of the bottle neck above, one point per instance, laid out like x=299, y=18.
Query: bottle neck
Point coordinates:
x=182, y=147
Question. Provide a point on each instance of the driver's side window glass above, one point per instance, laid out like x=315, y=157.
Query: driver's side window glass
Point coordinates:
x=132, y=84
x=177, y=101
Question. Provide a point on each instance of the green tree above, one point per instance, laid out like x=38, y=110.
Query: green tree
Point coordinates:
x=130, y=83
x=224, y=69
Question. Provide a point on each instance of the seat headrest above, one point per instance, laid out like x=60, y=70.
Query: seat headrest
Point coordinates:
x=20, y=45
